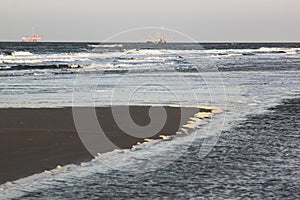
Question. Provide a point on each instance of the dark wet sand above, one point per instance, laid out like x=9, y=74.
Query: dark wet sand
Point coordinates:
x=34, y=140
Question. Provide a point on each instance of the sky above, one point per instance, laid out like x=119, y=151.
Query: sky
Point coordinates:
x=202, y=20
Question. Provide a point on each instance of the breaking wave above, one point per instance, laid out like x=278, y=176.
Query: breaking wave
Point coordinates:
x=103, y=57
x=18, y=53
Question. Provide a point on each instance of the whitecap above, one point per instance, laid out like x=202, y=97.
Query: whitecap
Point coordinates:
x=18, y=53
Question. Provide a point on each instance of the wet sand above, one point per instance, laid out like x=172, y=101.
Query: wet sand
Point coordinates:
x=38, y=139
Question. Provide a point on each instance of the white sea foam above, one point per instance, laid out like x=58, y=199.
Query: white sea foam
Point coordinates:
x=20, y=53
x=46, y=58
x=5, y=67
x=238, y=52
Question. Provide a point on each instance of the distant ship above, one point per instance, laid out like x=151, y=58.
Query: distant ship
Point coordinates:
x=160, y=38
x=32, y=38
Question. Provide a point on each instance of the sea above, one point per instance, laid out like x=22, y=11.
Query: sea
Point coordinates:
x=249, y=149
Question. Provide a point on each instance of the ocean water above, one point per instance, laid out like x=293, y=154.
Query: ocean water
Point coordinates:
x=245, y=151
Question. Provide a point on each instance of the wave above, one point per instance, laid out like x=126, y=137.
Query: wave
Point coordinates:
x=17, y=53
x=143, y=60
x=5, y=67
x=40, y=61
x=148, y=51
x=248, y=52
x=220, y=52
x=116, y=71
x=105, y=45
x=46, y=59
x=30, y=67
x=47, y=73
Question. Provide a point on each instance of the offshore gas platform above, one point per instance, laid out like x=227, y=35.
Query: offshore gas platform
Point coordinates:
x=32, y=38
x=161, y=39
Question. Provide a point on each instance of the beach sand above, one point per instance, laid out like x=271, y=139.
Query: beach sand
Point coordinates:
x=38, y=139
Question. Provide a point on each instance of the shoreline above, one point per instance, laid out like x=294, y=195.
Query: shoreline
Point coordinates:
x=38, y=139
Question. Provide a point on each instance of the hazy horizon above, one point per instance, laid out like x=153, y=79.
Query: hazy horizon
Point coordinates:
x=202, y=20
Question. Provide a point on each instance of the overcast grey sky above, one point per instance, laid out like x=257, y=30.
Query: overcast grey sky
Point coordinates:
x=204, y=20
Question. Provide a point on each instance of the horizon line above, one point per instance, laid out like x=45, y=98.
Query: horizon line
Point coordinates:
x=86, y=41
